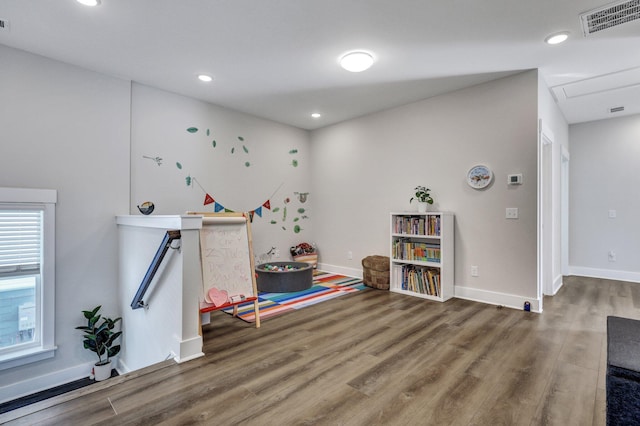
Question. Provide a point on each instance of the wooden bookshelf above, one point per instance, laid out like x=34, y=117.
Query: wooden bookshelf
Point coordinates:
x=422, y=255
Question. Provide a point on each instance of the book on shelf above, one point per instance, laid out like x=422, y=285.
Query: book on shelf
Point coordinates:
x=420, y=279
x=405, y=249
x=428, y=225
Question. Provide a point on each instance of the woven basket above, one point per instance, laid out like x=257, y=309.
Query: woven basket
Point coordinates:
x=311, y=259
x=375, y=272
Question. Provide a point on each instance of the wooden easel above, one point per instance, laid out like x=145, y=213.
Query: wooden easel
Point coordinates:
x=221, y=220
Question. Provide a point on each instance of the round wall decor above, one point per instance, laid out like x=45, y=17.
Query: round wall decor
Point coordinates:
x=479, y=176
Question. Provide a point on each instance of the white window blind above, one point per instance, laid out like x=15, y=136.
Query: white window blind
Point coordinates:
x=20, y=241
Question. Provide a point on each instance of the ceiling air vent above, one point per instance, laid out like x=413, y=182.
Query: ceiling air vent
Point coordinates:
x=611, y=15
x=616, y=109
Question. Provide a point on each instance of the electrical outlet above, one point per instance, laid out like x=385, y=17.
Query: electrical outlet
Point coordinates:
x=511, y=213
x=349, y=255
x=612, y=256
x=474, y=271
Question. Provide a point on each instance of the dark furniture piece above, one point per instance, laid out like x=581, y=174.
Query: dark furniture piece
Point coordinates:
x=623, y=371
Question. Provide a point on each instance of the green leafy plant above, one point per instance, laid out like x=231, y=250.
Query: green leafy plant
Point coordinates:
x=422, y=195
x=99, y=336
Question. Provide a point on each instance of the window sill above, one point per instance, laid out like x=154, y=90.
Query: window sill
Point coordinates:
x=27, y=356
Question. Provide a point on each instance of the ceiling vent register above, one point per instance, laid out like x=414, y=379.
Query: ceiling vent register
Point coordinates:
x=610, y=16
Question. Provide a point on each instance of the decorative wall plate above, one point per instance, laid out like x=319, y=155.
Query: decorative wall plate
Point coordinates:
x=479, y=176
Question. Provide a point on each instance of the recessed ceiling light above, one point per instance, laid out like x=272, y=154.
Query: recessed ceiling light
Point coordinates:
x=89, y=2
x=204, y=77
x=356, y=61
x=557, y=38
x=316, y=115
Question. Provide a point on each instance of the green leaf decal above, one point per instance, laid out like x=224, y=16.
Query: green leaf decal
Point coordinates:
x=295, y=219
x=188, y=179
x=301, y=210
x=192, y=129
x=208, y=132
x=293, y=151
x=233, y=150
x=273, y=222
x=276, y=210
x=178, y=165
x=245, y=149
x=297, y=229
x=294, y=163
x=247, y=164
x=214, y=143
x=240, y=138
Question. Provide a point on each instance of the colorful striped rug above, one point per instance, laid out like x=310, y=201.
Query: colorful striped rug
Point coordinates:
x=326, y=286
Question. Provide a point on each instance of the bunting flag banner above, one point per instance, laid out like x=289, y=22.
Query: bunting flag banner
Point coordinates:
x=251, y=215
x=217, y=207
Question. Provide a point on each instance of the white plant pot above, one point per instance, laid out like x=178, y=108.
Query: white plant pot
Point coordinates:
x=422, y=207
x=102, y=372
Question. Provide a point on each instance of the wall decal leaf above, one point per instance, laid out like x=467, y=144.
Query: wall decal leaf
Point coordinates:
x=192, y=129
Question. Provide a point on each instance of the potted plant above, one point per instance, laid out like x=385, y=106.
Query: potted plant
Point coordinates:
x=423, y=197
x=99, y=337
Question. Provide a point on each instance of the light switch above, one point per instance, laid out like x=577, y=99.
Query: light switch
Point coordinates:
x=511, y=213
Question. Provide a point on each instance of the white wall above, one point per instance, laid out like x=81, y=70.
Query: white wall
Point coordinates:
x=367, y=167
x=66, y=128
x=604, y=176
x=159, y=123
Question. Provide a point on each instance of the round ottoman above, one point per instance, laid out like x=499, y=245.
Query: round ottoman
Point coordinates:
x=375, y=272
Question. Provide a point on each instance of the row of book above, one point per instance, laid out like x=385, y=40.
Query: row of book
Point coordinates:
x=417, y=225
x=419, y=279
x=405, y=249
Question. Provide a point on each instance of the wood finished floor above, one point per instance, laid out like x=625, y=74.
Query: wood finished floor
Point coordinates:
x=376, y=358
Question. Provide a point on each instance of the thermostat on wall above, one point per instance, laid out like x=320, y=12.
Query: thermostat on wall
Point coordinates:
x=515, y=179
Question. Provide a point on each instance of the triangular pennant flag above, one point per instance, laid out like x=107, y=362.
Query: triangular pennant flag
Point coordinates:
x=226, y=210
x=208, y=199
x=217, y=207
x=251, y=215
x=267, y=204
x=258, y=211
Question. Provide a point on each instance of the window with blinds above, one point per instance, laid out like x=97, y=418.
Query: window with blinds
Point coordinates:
x=20, y=260
x=20, y=242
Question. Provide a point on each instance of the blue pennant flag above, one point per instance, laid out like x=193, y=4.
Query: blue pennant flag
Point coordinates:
x=258, y=211
x=217, y=207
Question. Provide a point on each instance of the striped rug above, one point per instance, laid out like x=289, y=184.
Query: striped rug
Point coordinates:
x=326, y=286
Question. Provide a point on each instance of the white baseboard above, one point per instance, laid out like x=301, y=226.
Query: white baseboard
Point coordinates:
x=557, y=285
x=349, y=272
x=607, y=274
x=495, y=298
x=44, y=382
x=190, y=349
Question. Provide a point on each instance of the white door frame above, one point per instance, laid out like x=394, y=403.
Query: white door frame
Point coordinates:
x=545, y=212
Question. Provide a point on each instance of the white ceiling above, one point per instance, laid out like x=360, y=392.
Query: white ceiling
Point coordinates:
x=277, y=59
